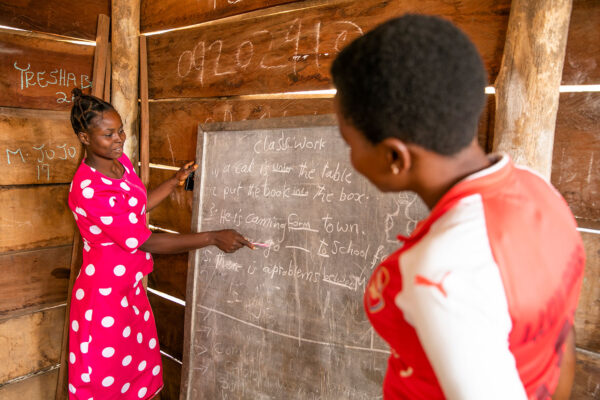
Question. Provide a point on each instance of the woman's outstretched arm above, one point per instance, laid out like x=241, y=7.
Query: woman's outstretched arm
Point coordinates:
x=228, y=240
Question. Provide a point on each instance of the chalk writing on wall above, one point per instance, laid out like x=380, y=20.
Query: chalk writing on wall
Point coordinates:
x=278, y=50
x=41, y=157
x=286, y=320
x=60, y=78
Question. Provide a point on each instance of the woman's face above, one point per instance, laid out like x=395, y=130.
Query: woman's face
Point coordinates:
x=106, y=136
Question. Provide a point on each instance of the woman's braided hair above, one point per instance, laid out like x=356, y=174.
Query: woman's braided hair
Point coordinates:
x=85, y=109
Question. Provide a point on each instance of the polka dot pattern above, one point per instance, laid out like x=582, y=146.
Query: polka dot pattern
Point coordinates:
x=108, y=381
x=108, y=352
x=88, y=192
x=123, y=359
x=119, y=270
x=107, y=322
x=90, y=269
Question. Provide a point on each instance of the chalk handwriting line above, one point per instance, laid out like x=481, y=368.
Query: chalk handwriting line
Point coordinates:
x=286, y=335
x=339, y=284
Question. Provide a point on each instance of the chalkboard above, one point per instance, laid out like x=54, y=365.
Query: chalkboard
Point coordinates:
x=287, y=321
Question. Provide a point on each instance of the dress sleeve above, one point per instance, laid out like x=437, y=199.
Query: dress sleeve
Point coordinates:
x=109, y=215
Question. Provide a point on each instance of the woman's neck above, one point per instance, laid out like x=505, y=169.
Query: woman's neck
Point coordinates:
x=106, y=166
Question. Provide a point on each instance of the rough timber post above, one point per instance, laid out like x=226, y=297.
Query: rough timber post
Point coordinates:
x=125, y=69
x=527, y=87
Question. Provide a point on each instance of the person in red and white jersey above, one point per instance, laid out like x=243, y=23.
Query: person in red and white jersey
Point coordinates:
x=479, y=301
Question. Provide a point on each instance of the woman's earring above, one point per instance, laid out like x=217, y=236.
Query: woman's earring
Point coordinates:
x=395, y=169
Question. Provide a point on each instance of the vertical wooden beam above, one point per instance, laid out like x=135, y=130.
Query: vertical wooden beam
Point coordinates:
x=107, y=75
x=100, y=55
x=527, y=86
x=144, y=115
x=125, y=69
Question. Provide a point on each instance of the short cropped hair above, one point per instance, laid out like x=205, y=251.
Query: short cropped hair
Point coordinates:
x=416, y=78
x=86, y=108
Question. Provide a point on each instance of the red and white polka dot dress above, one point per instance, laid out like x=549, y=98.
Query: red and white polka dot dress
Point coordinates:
x=113, y=345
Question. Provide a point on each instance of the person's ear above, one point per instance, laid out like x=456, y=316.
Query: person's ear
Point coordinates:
x=84, y=138
x=397, y=155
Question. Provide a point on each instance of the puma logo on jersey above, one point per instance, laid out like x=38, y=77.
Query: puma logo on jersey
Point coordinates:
x=421, y=280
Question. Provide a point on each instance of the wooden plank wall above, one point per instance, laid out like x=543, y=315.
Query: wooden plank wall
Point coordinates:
x=228, y=62
x=38, y=156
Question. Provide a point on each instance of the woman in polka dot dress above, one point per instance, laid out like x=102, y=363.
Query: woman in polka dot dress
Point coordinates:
x=113, y=348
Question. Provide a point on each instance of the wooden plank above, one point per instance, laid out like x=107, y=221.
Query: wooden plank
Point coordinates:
x=175, y=212
x=100, y=55
x=33, y=278
x=62, y=17
x=168, y=14
x=37, y=146
x=587, y=317
x=576, y=155
x=33, y=217
x=582, y=59
x=35, y=387
x=40, y=73
x=144, y=114
x=107, y=74
x=293, y=50
x=587, y=376
x=170, y=274
x=169, y=318
x=30, y=342
x=171, y=379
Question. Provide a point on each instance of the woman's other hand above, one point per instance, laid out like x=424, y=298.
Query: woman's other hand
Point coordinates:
x=185, y=171
x=229, y=241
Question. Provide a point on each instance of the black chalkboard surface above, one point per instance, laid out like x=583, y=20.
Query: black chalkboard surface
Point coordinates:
x=286, y=321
